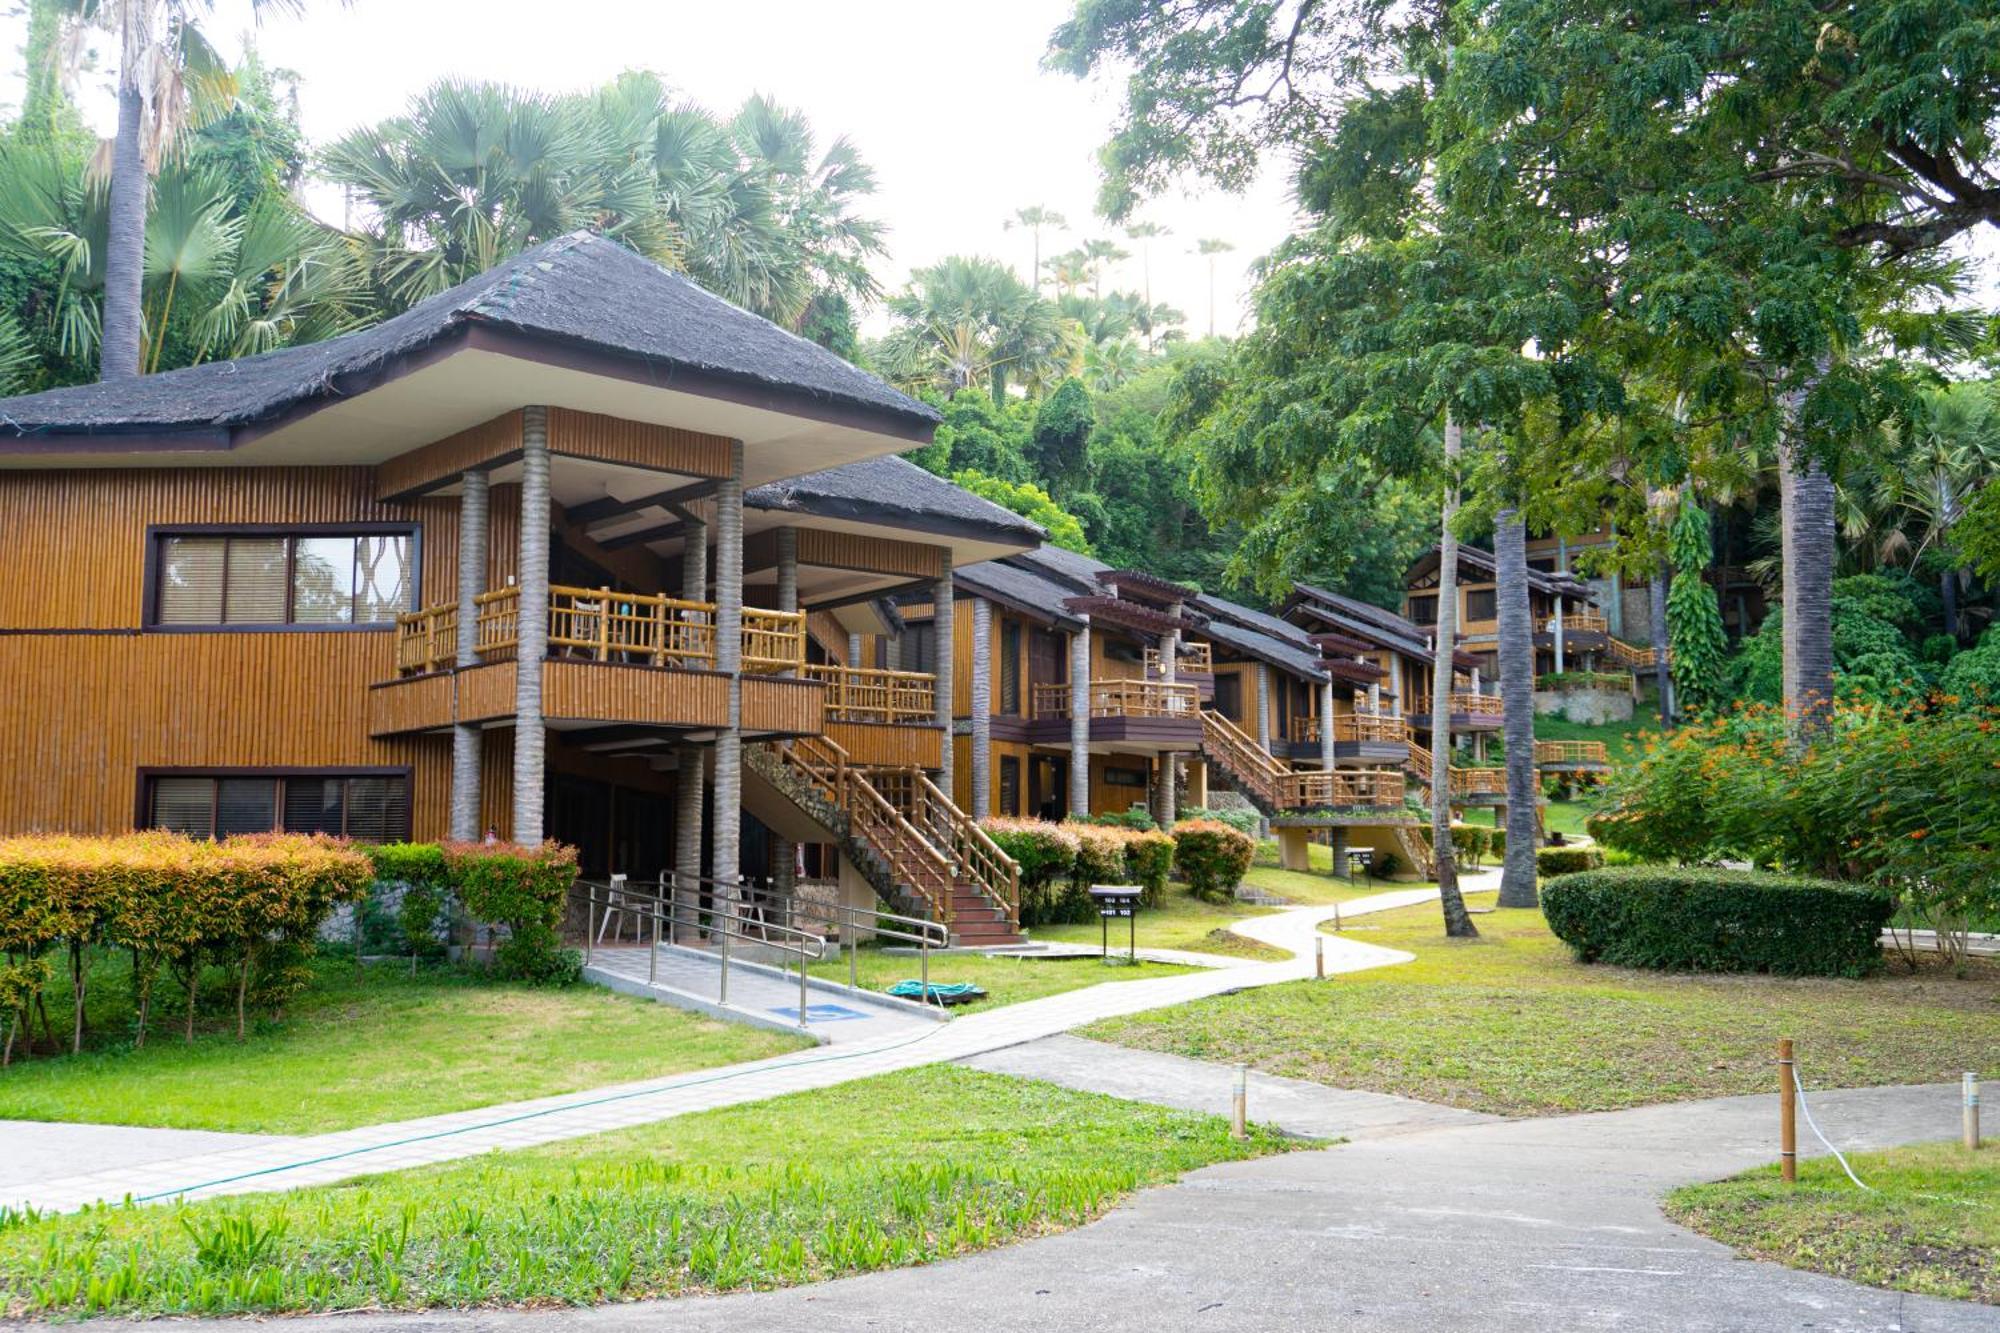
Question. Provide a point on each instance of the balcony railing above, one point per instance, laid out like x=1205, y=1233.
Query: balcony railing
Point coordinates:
x=1123, y=698
x=1581, y=624
x=1350, y=727
x=1478, y=782
x=596, y=624
x=1195, y=659
x=1477, y=705
x=1571, y=752
x=864, y=694
x=1344, y=789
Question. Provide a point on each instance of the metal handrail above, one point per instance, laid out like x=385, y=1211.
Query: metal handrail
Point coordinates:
x=926, y=935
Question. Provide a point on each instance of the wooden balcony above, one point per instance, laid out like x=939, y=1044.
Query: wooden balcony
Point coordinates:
x=1583, y=624
x=598, y=625
x=1362, y=789
x=1478, y=785
x=1195, y=659
x=1146, y=714
x=865, y=694
x=1572, y=756
x=1379, y=727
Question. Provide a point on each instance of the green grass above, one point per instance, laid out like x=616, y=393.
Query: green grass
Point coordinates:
x=1318, y=888
x=1510, y=1023
x=1623, y=740
x=881, y=1173
x=357, y=1050
x=1005, y=980
x=1182, y=921
x=1932, y=1226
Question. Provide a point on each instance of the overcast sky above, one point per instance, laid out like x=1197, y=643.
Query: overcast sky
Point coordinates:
x=945, y=99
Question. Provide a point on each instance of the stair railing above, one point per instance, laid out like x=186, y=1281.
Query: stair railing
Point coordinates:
x=1244, y=756
x=977, y=857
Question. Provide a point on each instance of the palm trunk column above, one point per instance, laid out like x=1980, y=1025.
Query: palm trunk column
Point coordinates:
x=946, y=704
x=726, y=820
x=1457, y=922
x=1517, y=684
x=531, y=632
x=1079, y=721
x=784, y=860
x=1264, y=708
x=690, y=761
x=982, y=708
x=1337, y=837
x=472, y=528
x=124, y=285
x=1166, y=795
x=1556, y=628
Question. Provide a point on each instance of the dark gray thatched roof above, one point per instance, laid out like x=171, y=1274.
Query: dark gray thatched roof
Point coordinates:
x=1363, y=618
x=580, y=290
x=895, y=491
x=1482, y=562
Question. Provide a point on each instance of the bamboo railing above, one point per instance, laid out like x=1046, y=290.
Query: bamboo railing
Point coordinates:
x=1571, y=752
x=597, y=624
x=1582, y=624
x=1246, y=760
x=1353, y=727
x=1195, y=659
x=864, y=694
x=1478, y=782
x=1476, y=705
x=1343, y=789
x=1123, y=698
x=1630, y=656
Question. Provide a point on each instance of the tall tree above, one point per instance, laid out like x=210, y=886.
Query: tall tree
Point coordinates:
x=1517, y=696
x=1098, y=253
x=1694, y=621
x=1209, y=247
x=1145, y=233
x=1035, y=217
x=1457, y=921
x=965, y=319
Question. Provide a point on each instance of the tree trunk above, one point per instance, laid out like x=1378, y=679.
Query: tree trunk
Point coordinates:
x=1656, y=614
x=193, y=985
x=77, y=984
x=1517, y=697
x=243, y=989
x=1456, y=922
x=1948, y=594
x=997, y=382
x=125, y=247
x=1805, y=494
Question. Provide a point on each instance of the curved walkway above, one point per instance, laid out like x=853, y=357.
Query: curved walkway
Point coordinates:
x=268, y=1165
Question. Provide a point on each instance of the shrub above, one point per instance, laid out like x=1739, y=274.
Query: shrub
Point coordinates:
x=1149, y=856
x=1047, y=854
x=1138, y=817
x=1212, y=857
x=1100, y=854
x=527, y=890
x=1707, y=920
x=1124, y=856
x=1567, y=860
x=1243, y=821
x=1471, y=842
x=417, y=869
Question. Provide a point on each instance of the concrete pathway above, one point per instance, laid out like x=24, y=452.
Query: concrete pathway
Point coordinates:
x=325, y=1158
x=759, y=995
x=34, y=1150
x=1528, y=1226
x=1307, y=1110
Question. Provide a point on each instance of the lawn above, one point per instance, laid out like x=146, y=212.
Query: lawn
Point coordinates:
x=1510, y=1023
x=381, y=1046
x=1005, y=980
x=1182, y=921
x=1932, y=1226
x=903, y=1169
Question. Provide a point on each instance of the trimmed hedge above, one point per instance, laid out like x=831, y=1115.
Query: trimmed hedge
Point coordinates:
x=1698, y=919
x=1059, y=863
x=1212, y=857
x=1568, y=860
x=527, y=890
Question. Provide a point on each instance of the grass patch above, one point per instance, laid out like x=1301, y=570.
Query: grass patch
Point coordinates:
x=1006, y=980
x=383, y=1045
x=1318, y=889
x=1510, y=1023
x=1932, y=1226
x=1182, y=921
x=881, y=1173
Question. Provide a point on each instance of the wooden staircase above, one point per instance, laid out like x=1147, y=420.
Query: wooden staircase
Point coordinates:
x=922, y=854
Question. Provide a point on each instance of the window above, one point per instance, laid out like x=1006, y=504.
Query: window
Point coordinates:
x=1424, y=610
x=366, y=807
x=1229, y=696
x=1125, y=777
x=1122, y=650
x=1010, y=667
x=919, y=650
x=254, y=578
x=1481, y=603
x=1543, y=564
x=1010, y=785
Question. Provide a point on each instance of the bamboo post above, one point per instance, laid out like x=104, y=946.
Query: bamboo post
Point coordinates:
x=1319, y=957
x=1970, y=1085
x=1239, y=1104
x=1788, y=1113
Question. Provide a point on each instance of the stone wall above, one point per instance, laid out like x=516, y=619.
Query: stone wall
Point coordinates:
x=1586, y=707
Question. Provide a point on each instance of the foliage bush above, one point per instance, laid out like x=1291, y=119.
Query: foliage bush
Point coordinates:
x=527, y=890
x=1125, y=856
x=1137, y=817
x=1211, y=857
x=1583, y=680
x=1471, y=842
x=1709, y=920
x=417, y=871
x=1975, y=673
x=1243, y=821
x=1567, y=860
x=1047, y=854
x=252, y=904
x=1876, y=621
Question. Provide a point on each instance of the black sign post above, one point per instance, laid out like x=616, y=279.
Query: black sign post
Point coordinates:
x=1365, y=858
x=1117, y=900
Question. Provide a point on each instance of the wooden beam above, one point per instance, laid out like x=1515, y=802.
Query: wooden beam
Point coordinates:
x=596, y=511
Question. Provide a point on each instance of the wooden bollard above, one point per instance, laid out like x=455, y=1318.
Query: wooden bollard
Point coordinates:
x=1319, y=957
x=1239, y=1104
x=1970, y=1086
x=1788, y=1113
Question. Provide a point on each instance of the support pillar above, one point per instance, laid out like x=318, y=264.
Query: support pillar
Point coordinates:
x=947, y=704
x=854, y=650
x=1396, y=683
x=1079, y=721
x=784, y=853
x=690, y=798
x=1337, y=841
x=531, y=634
x=1557, y=629
x=1292, y=844
x=1264, y=707
x=726, y=820
x=1326, y=726
x=1375, y=699
x=892, y=652
x=982, y=708
x=465, y=736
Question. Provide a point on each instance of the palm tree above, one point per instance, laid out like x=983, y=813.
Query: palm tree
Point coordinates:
x=1069, y=270
x=1210, y=247
x=1517, y=698
x=1930, y=479
x=1035, y=217
x=1145, y=233
x=1807, y=507
x=1098, y=253
x=168, y=74
x=1111, y=362
x=1457, y=922
x=964, y=319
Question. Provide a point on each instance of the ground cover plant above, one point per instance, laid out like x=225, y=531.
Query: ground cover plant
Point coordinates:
x=1931, y=1224
x=357, y=1047
x=1510, y=1023
x=880, y=1173
x=1005, y=980
x=1182, y=921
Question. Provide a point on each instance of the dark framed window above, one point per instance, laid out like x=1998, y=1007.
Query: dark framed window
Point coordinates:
x=1543, y=564
x=1010, y=785
x=1010, y=667
x=919, y=651
x=1481, y=603
x=368, y=807
x=1124, y=777
x=1122, y=650
x=270, y=578
x=1424, y=609
x=1229, y=696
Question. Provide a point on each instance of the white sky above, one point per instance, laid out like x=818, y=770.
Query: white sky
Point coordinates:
x=945, y=99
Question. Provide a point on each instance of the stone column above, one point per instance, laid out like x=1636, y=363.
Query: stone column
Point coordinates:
x=1337, y=843
x=854, y=650
x=1079, y=721
x=892, y=652
x=1326, y=726
x=531, y=634
x=1557, y=628
x=694, y=563
x=784, y=856
x=1375, y=698
x=947, y=706
x=472, y=530
x=1396, y=682
x=725, y=833
x=982, y=708
x=690, y=791
x=1264, y=707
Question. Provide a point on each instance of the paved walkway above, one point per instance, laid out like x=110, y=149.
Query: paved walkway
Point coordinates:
x=35, y=1150
x=760, y=995
x=325, y=1158
x=1528, y=1225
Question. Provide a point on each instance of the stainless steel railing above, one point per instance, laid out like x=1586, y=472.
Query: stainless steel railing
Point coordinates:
x=920, y=931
